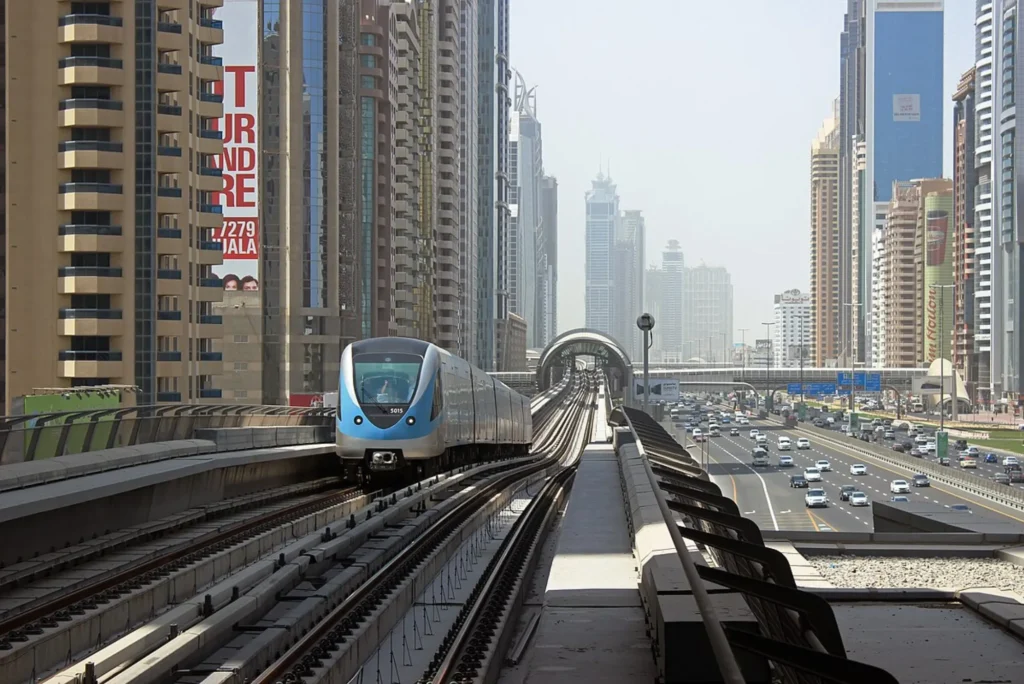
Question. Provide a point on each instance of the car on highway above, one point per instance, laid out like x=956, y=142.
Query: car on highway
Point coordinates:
x=812, y=474
x=846, y=491
x=858, y=499
x=900, y=499
x=969, y=463
x=899, y=487
x=920, y=481
x=858, y=469
x=918, y=452
x=803, y=443
x=991, y=458
x=761, y=441
x=1001, y=478
x=1010, y=460
x=963, y=508
x=698, y=436
x=798, y=481
x=930, y=447
x=898, y=447
x=889, y=434
x=815, y=498
x=760, y=457
x=784, y=444
x=734, y=432
x=754, y=433
x=785, y=461
x=823, y=465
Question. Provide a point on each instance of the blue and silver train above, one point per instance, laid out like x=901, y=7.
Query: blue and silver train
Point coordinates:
x=407, y=406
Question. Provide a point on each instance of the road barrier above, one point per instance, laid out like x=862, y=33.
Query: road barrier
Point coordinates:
x=797, y=630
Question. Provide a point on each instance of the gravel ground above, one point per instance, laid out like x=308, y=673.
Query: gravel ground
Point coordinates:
x=958, y=573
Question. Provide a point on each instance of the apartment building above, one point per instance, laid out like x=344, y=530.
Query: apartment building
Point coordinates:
x=113, y=282
x=899, y=276
x=826, y=303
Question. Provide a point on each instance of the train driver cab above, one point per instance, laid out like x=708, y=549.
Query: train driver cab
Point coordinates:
x=385, y=384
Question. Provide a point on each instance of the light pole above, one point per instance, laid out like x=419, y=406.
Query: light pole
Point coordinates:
x=848, y=344
x=768, y=362
x=646, y=323
x=743, y=354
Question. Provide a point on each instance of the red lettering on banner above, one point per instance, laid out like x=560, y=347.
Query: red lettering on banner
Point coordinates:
x=239, y=238
x=237, y=159
x=240, y=129
x=239, y=190
x=238, y=75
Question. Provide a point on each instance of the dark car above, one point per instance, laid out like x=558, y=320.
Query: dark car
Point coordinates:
x=898, y=447
x=908, y=445
x=798, y=481
x=920, y=481
x=1001, y=478
x=846, y=491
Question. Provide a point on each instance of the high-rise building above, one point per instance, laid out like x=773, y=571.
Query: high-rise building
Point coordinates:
x=628, y=294
x=469, y=177
x=985, y=102
x=964, y=357
x=653, y=290
x=672, y=308
x=311, y=181
x=547, y=266
x=903, y=121
x=826, y=244
x=852, y=319
x=492, y=186
x=602, y=215
x=936, y=258
x=792, y=330
x=526, y=169
x=113, y=283
x=707, y=312
x=851, y=124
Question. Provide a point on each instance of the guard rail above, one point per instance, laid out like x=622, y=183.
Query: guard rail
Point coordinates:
x=798, y=630
x=46, y=435
x=975, y=484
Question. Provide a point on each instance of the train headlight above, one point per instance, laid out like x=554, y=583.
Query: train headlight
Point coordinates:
x=358, y=420
x=411, y=420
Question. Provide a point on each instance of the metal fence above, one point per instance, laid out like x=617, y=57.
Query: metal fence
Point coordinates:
x=46, y=435
x=798, y=630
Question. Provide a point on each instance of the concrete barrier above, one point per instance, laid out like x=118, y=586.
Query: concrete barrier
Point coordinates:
x=682, y=647
x=238, y=439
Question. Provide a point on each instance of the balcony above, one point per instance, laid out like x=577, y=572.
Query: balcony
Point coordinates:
x=90, y=238
x=210, y=31
x=170, y=200
x=91, y=112
x=209, y=327
x=89, y=364
x=210, y=68
x=210, y=393
x=89, y=280
x=169, y=159
x=210, y=142
x=168, y=192
x=90, y=154
x=169, y=283
x=89, y=322
x=169, y=118
x=90, y=71
x=209, y=105
x=90, y=28
x=90, y=197
x=168, y=356
x=209, y=253
x=168, y=315
x=168, y=397
x=210, y=319
x=209, y=179
x=170, y=77
x=170, y=37
x=211, y=356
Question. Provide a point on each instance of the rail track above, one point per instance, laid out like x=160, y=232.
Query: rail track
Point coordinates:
x=120, y=660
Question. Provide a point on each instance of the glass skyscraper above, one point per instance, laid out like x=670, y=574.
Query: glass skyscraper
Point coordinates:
x=602, y=215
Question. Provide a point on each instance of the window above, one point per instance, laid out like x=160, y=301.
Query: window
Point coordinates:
x=386, y=378
x=438, y=399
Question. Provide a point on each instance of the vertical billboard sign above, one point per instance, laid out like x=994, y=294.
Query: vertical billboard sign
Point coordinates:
x=938, y=271
x=240, y=199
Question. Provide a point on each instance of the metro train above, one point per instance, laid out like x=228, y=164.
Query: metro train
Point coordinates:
x=408, y=408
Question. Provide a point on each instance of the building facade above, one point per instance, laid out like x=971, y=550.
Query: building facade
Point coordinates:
x=526, y=169
x=964, y=356
x=707, y=312
x=903, y=121
x=937, y=291
x=492, y=185
x=123, y=217
x=469, y=177
x=546, y=328
x=628, y=295
x=241, y=382
x=985, y=103
x=792, y=331
x=512, y=332
x=899, y=277
x=851, y=125
x=826, y=244
x=602, y=212
x=671, y=308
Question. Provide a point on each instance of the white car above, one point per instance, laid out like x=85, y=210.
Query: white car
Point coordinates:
x=784, y=443
x=823, y=466
x=754, y=433
x=1010, y=460
x=814, y=475
x=858, y=469
x=743, y=421
x=899, y=487
x=859, y=499
x=930, y=447
x=815, y=498
x=803, y=443
x=762, y=440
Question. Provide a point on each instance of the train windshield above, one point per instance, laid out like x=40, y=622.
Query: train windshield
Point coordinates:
x=386, y=378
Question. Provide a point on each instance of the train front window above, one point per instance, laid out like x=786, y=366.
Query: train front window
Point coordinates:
x=386, y=378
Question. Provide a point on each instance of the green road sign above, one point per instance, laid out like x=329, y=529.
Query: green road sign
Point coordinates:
x=801, y=411
x=768, y=401
x=941, y=444
x=854, y=421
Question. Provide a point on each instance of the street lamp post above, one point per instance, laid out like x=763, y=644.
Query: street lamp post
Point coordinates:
x=768, y=362
x=743, y=354
x=646, y=323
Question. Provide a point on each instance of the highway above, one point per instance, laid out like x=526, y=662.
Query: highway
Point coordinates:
x=764, y=494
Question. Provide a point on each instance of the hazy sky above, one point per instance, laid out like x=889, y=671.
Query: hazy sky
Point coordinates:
x=705, y=113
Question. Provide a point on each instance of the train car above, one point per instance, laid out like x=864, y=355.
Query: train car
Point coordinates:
x=409, y=408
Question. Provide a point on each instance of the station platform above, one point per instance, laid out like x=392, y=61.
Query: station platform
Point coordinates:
x=591, y=622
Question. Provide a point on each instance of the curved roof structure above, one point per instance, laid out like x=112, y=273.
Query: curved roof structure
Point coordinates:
x=581, y=342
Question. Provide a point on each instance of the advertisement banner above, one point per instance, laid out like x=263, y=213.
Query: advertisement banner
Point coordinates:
x=662, y=389
x=906, y=108
x=938, y=272
x=240, y=199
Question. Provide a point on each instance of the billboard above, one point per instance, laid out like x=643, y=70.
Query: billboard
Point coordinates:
x=240, y=198
x=938, y=273
x=662, y=389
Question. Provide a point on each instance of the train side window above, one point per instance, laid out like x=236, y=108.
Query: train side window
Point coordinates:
x=435, y=410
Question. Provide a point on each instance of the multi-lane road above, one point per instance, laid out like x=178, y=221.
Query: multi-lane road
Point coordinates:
x=764, y=494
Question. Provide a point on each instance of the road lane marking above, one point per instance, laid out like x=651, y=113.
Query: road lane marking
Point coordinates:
x=764, y=485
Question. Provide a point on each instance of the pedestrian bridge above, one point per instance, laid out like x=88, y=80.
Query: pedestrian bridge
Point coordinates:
x=899, y=379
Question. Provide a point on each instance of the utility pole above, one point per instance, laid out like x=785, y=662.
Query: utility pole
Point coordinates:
x=646, y=323
x=743, y=353
x=768, y=362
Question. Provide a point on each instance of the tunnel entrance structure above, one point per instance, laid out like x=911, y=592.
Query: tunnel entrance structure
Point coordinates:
x=565, y=348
